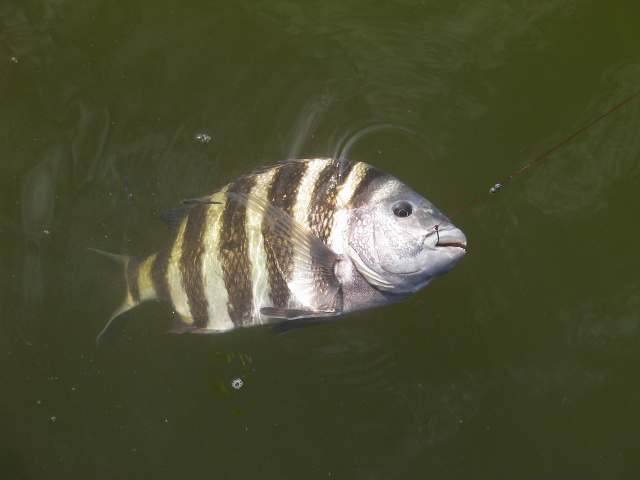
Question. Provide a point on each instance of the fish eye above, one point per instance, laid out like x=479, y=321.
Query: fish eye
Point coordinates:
x=402, y=209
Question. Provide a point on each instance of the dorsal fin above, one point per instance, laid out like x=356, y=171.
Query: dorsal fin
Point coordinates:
x=173, y=217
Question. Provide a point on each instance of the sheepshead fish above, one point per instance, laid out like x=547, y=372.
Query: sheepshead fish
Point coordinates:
x=302, y=242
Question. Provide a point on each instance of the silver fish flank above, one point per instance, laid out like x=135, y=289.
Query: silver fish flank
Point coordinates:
x=299, y=243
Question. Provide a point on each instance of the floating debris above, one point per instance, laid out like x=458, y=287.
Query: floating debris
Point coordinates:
x=203, y=137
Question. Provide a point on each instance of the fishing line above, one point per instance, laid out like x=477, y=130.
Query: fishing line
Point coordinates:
x=498, y=186
x=342, y=151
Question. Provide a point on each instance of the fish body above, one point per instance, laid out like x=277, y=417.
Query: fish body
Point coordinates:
x=301, y=242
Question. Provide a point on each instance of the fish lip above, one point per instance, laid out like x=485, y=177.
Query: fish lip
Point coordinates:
x=457, y=244
x=448, y=240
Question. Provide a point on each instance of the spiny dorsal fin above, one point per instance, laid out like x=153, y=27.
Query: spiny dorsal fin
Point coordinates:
x=173, y=217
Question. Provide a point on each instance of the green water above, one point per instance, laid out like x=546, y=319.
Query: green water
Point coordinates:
x=522, y=363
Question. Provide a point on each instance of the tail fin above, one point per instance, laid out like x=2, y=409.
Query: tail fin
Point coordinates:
x=114, y=326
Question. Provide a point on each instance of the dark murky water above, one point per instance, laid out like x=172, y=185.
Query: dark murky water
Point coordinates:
x=523, y=362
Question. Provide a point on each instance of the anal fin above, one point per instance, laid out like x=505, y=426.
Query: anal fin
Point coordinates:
x=315, y=281
x=181, y=324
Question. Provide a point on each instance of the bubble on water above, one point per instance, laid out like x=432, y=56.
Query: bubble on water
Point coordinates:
x=202, y=137
x=237, y=383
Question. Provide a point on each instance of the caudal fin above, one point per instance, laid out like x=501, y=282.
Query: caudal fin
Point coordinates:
x=114, y=326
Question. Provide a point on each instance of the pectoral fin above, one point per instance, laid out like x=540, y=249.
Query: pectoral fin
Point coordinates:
x=315, y=277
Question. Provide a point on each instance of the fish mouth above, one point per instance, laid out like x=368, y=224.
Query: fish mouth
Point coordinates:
x=451, y=240
x=453, y=243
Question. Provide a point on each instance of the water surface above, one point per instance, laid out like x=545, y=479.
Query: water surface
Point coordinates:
x=523, y=362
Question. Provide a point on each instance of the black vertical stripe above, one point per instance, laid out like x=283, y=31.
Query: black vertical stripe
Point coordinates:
x=279, y=251
x=322, y=209
x=338, y=301
x=234, y=255
x=343, y=170
x=133, y=270
x=159, y=271
x=324, y=199
x=191, y=265
x=360, y=194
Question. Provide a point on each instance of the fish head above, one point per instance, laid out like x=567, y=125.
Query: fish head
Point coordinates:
x=393, y=241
